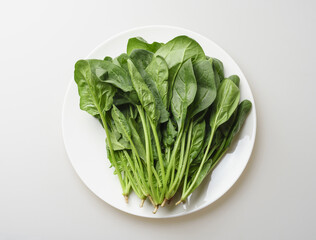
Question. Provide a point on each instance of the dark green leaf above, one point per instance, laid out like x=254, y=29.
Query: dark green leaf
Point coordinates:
x=242, y=113
x=225, y=103
x=96, y=96
x=206, y=87
x=184, y=91
x=197, y=141
x=142, y=59
x=158, y=71
x=235, y=79
x=145, y=96
x=176, y=52
x=169, y=134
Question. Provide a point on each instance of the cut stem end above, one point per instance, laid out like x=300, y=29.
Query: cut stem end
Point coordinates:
x=142, y=203
x=155, y=209
x=164, y=202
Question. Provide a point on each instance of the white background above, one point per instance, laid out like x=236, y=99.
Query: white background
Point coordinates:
x=41, y=197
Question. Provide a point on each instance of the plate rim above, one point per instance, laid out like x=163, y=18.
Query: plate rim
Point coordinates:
x=227, y=55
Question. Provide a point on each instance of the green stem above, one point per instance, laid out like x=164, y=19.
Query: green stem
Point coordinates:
x=184, y=161
x=133, y=180
x=111, y=149
x=147, y=146
x=172, y=160
x=162, y=167
x=136, y=173
x=201, y=166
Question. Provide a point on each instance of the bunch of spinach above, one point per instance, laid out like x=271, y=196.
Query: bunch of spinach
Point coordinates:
x=168, y=112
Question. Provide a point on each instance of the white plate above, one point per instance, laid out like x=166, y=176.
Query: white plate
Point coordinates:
x=85, y=138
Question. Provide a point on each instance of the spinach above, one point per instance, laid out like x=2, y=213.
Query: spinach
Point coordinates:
x=140, y=43
x=168, y=111
x=183, y=94
x=206, y=88
x=176, y=52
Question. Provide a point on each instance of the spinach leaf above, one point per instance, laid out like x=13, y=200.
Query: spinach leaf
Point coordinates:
x=137, y=138
x=175, y=53
x=184, y=91
x=169, y=133
x=96, y=96
x=118, y=143
x=121, y=61
x=145, y=96
x=142, y=59
x=225, y=103
x=206, y=87
x=158, y=71
x=121, y=123
x=116, y=76
x=219, y=68
x=108, y=58
x=198, y=134
x=242, y=113
x=235, y=79
x=140, y=43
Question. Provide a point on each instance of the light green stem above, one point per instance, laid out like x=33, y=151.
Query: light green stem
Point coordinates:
x=201, y=166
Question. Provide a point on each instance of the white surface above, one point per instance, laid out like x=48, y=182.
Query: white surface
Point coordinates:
x=84, y=136
x=273, y=42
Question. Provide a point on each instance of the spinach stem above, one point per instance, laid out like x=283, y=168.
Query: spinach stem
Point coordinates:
x=154, y=130
x=111, y=149
x=172, y=160
x=147, y=146
x=201, y=166
x=183, y=164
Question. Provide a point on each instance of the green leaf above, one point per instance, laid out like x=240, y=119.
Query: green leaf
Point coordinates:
x=107, y=58
x=121, y=61
x=184, y=91
x=121, y=123
x=145, y=96
x=142, y=59
x=242, y=113
x=176, y=52
x=197, y=141
x=96, y=96
x=219, y=68
x=118, y=143
x=169, y=133
x=158, y=71
x=235, y=79
x=116, y=76
x=225, y=103
x=137, y=139
x=140, y=43
x=206, y=87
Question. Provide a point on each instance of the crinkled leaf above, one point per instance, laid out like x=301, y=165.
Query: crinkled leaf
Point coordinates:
x=121, y=122
x=96, y=96
x=169, y=133
x=142, y=59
